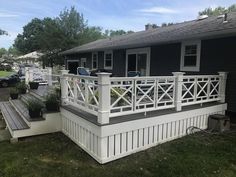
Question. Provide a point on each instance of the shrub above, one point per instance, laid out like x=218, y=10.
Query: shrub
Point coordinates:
x=52, y=102
x=14, y=93
x=35, y=108
x=22, y=87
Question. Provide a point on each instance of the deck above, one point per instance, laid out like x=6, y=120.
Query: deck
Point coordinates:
x=126, y=118
x=13, y=119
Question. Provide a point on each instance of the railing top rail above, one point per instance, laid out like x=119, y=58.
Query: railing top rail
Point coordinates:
x=81, y=77
x=200, y=76
x=140, y=78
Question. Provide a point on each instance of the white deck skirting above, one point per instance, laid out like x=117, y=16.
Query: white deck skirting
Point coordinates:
x=110, y=142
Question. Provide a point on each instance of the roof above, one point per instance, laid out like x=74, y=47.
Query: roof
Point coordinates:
x=33, y=55
x=195, y=29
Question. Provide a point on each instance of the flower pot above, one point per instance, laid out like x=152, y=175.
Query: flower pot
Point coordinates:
x=51, y=107
x=34, y=85
x=14, y=96
x=35, y=113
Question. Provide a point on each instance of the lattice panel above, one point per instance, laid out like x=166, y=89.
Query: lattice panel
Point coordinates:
x=165, y=92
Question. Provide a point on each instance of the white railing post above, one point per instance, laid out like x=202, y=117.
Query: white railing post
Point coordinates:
x=31, y=75
x=222, y=86
x=49, y=76
x=178, y=90
x=104, y=97
x=26, y=75
x=64, y=87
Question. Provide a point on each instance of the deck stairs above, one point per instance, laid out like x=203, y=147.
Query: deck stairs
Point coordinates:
x=18, y=122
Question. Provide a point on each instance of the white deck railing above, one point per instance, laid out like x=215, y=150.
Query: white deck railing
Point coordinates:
x=106, y=96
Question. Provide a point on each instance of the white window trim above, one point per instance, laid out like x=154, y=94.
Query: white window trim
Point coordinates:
x=96, y=59
x=190, y=68
x=108, y=52
x=146, y=50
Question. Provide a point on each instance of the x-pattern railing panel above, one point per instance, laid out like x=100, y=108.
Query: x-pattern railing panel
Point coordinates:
x=121, y=92
x=141, y=94
x=83, y=92
x=196, y=89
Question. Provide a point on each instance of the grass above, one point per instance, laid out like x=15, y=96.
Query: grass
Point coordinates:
x=199, y=155
x=5, y=73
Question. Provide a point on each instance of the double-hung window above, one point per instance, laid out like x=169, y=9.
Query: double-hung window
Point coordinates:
x=190, y=56
x=94, y=60
x=108, y=59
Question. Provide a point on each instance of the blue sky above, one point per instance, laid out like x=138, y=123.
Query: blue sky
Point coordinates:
x=108, y=14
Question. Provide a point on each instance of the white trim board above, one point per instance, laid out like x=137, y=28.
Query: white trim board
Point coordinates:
x=190, y=68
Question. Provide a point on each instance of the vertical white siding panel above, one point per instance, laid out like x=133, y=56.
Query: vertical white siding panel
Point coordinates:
x=135, y=139
x=160, y=132
x=172, y=129
x=129, y=141
x=140, y=136
x=177, y=128
x=150, y=134
x=123, y=143
x=111, y=146
x=117, y=144
x=145, y=136
x=155, y=133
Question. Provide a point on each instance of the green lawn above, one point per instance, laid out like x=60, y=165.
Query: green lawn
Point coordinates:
x=5, y=73
x=54, y=155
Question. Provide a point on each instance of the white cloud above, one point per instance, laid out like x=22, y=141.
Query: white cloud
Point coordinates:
x=159, y=10
x=6, y=15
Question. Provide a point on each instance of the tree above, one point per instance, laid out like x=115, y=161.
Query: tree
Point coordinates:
x=2, y=52
x=218, y=10
x=2, y=32
x=13, y=51
x=112, y=33
x=28, y=41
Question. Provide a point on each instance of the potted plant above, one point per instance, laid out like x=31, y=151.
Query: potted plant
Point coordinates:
x=52, y=102
x=21, y=87
x=34, y=85
x=35, y=108
x=14, y=93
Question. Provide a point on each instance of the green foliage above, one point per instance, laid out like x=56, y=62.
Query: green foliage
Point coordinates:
x=52, y=98
x=52, y=36
x=22, y=87
x=112, y=33
x=52, y=102
x=2, y=32
x=14, y=91
x=13, y=51
x=218, y=10
x=2, y=51
x=34, y=105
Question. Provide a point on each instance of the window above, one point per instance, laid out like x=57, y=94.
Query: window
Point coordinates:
x=108, y=60
x=94, y=60
x=190, y=56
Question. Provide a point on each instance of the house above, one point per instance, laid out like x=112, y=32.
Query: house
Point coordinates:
x=112, y=117
x=202, y=46
x=31, y=58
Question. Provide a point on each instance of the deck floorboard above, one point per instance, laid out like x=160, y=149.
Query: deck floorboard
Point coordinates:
x=13, y=119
